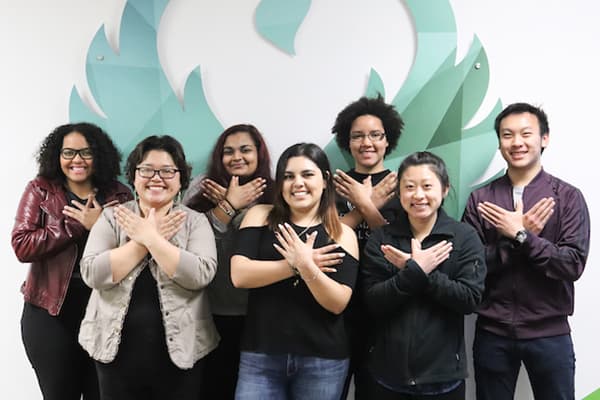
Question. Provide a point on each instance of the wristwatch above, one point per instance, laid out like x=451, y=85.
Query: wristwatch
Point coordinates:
x=521, y=237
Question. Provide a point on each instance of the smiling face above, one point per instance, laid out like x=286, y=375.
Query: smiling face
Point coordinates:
x=421, y=193
x=303, y=185
x=156, y=192
x=240, y=155
x=368, y=153
x=77, y=171
x=520, y=141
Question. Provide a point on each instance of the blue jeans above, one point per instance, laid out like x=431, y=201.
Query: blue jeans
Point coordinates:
x=549, y=361
x=278, y=377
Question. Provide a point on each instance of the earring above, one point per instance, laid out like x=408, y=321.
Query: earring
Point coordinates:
x=135, y=196
x=178, y=198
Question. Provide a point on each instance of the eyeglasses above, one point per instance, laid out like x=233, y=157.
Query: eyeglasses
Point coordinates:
x=165, y=173
x=69, y=154
x=373, y=136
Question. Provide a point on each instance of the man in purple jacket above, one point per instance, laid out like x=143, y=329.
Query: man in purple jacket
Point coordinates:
x=536, y=230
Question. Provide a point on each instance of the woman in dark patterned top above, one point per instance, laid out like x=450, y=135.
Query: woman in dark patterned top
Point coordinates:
x=238, y=177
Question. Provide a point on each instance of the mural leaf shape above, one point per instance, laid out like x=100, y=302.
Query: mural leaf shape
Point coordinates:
x=278, y=21
x=134, y=94
x=437, y=101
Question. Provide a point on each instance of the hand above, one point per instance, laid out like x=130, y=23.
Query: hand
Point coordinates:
x=535, y=219
x=397, y=257
x=213, y=191
x=137, y=228
x=432, y=257
x=385, y=190
x=324, y=259
x=297, y=253
x=85, y=213
x=241, y=196
x=355, y=192
x=507, y=223
x=170, y=224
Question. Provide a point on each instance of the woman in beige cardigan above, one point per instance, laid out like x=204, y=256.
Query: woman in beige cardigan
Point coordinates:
x=148, y=323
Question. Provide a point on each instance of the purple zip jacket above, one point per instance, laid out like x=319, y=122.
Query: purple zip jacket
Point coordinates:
x=529, y=288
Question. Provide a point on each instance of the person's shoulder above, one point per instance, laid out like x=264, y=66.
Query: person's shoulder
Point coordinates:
x=349, y=241
x=561, y=184
x=117, y=188
x=257, y=215
x=45, y=184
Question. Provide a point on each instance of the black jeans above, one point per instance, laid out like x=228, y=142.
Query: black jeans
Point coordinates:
x=550, y=364
x=63, y=369
x=222, y=364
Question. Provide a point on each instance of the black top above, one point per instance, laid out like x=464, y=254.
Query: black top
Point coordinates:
x=389, y=211
x=82, y=240
x=285, y=318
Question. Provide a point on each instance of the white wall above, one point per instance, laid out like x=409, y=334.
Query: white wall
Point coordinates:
x=543, y=52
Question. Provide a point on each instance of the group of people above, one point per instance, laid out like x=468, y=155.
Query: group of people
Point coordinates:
x=237, y=285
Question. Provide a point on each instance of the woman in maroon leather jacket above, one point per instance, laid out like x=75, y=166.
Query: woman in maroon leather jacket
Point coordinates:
x=78, y=167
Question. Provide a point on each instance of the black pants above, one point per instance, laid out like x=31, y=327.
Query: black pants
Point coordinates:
x=222, y=364
x=143, y=369
x=126, y=379
x=63, y=369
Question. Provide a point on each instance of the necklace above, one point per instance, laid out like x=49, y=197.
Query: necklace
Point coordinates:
x=308, y=226
x=296, y=273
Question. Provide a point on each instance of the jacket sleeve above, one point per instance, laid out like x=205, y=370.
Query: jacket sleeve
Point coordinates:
x=497, y=250
x=39, y=231
x=387, y=288
x=95, y=265
x=198, y=260
x=463, y=291
x=565, y=259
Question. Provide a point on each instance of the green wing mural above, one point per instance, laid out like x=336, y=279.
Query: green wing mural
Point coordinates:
x=437, y=101
x=134, y=94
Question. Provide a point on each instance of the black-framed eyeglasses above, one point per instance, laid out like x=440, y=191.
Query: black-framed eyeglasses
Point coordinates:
x=69, y=154
x=165, y=173
x=374, y=136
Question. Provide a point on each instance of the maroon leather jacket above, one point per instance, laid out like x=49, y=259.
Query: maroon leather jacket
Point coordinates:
x=46, y=238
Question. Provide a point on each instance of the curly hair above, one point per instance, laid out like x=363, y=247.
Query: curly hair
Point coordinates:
x=391, y=120
x=105, y=154
x=164, y=143
x=218, y=173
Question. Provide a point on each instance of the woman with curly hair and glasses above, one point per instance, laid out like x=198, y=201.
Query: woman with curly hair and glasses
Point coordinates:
x=78, y=167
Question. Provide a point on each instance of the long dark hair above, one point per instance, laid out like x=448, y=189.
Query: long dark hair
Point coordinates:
x=327, y=210
x=105, y=154
x=218, y=173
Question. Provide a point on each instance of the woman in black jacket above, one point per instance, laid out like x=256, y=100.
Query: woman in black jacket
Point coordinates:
x=421, y=275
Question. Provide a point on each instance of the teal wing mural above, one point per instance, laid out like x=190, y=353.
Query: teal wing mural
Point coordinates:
x=437, y=100
x=278, y=21
x=134, y=94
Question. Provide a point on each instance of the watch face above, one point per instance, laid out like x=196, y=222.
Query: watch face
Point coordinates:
x=521, y=236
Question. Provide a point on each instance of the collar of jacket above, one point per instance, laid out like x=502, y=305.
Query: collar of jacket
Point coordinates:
x=542, y=177
x=443, y=225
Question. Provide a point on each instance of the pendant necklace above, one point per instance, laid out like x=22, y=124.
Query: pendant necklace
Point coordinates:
x=297, y=280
